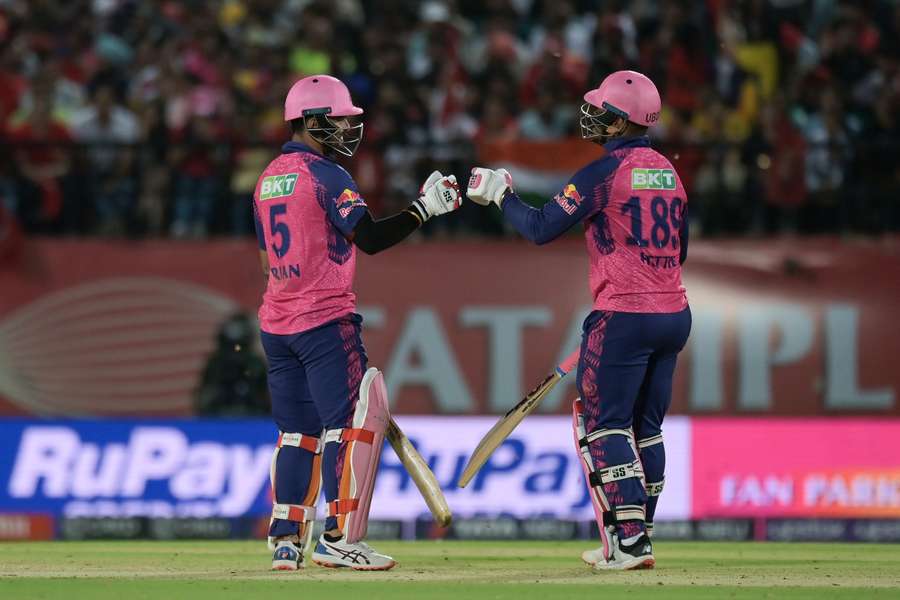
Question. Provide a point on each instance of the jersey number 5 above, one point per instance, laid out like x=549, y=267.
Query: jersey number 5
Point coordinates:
x=663, y=213
x=279, y=228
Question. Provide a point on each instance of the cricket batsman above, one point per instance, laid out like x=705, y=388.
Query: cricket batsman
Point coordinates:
x=331, y=411
x=634, y=210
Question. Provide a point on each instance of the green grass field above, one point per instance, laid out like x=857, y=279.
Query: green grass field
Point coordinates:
x=457, y=570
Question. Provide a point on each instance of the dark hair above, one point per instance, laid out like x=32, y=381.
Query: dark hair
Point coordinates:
x=633, y=129
x=297, y=126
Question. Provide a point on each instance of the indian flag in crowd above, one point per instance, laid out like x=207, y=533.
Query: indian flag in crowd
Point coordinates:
x=539, y=168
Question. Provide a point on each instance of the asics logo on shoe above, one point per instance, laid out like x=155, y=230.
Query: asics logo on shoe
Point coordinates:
x=354, y=555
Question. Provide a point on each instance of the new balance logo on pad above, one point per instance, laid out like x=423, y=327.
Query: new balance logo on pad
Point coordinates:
x=652, y=179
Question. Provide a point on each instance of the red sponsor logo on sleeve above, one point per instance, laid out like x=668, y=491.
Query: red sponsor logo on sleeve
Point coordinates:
x=569, y=199
x=347, y=201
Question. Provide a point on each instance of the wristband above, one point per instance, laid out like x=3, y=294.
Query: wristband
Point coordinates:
x=416, y=215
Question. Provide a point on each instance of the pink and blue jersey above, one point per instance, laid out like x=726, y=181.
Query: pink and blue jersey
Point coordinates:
x=634, y=209
x=306, y=206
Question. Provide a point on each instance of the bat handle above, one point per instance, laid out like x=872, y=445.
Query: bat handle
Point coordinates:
x=393, y=432
x=569, y=363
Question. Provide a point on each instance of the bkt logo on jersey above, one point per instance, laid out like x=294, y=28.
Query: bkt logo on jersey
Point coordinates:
x=278, y=186
x=569, y=199
x=347, y=201
x=652, y=179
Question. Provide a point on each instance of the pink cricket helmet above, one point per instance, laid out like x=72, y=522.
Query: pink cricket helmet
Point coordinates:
x=628, y=94
x=315, y=93
x=326, y=98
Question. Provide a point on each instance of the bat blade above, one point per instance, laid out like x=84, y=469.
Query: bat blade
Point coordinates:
x=505, y=426
x=508, y=422
x=421, y=475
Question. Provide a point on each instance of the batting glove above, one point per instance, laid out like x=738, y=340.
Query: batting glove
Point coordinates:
x=488, y=185
x=438, y=195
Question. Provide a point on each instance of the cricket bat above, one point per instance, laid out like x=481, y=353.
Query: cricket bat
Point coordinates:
x=508, y=422
x=421, y=475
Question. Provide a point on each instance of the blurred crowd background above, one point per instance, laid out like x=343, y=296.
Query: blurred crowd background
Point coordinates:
x=135, y=118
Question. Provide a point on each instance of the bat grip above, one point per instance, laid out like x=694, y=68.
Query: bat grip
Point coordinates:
x=569, y=363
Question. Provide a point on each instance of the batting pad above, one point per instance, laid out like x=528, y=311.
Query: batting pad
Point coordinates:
x=361, y=451
x=598, y=498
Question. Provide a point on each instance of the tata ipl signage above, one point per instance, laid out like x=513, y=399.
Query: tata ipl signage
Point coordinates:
x=780, y=327
x=221, y=468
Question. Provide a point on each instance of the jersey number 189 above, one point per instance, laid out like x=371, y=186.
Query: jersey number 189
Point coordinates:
x=663, y=213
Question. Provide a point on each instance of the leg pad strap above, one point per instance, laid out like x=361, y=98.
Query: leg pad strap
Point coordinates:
x=349, y=435
x=307, y=442
x=616, y=472
x=655, y=488
x=342, y=506
x=596, y=435
x=626, y=512
x=650, y=441
x=294, y=512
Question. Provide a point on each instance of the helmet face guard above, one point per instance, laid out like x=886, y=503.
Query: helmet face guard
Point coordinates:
x=595, y=122
x=344, y=140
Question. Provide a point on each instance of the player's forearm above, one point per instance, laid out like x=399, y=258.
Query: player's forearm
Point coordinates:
x=532, y=223
x=373, y=236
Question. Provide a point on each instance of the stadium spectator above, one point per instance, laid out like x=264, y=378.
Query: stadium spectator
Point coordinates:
x=548, y=119
x=154, y=176
x=781, y=159
x=198, y=158
x=497, y=122
x=111, y=132
x=440, y=77
x=42, y=161
x=827, y=132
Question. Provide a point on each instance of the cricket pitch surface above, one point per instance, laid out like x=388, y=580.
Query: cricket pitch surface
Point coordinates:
x=224, y=570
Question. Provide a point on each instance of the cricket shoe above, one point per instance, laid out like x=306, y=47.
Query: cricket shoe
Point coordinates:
x=288, y=556
x=627, y=555
x=358, y=556
x=592, y=557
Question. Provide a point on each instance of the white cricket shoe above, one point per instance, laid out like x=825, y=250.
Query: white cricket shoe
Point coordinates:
x=627, y=555
x=288, y=556
x=358, y=556
x=592, y=557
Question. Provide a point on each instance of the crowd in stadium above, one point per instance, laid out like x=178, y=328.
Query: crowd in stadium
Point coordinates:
x=123, y=117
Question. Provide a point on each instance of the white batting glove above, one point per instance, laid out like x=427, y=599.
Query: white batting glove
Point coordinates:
x=487, y=185
x=432, y=179
x=438, y=195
